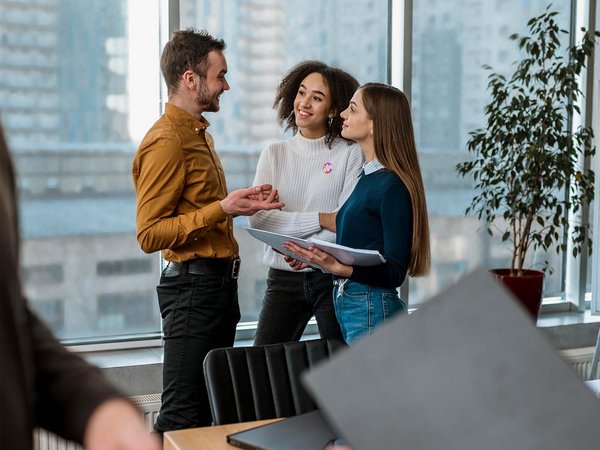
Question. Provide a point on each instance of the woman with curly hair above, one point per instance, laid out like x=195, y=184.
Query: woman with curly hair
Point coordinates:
x=314, y=171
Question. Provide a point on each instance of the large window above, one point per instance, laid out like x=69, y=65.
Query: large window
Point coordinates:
x=79, y=83
x=452, y=40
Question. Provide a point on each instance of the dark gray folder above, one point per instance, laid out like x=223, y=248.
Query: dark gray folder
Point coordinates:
x=308, y=431
x=467, y=371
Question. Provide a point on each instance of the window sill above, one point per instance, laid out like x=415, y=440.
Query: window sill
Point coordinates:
x=135, y=371
x=138, y=371
x=570, y=329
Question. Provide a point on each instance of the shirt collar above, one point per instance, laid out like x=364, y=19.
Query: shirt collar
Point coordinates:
x=185, y=119
x=372, y=166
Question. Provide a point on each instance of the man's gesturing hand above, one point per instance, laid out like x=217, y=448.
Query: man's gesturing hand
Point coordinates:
x=245, y=202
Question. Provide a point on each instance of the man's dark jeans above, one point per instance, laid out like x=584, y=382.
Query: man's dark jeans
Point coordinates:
x=291, y=299
x=200, y=313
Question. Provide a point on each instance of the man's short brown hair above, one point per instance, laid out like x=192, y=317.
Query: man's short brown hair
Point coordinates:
x=187, y=49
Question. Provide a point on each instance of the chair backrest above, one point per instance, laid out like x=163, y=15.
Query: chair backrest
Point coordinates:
x=261, y=382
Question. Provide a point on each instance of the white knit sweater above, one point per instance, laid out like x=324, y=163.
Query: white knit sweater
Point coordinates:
x=310, y=178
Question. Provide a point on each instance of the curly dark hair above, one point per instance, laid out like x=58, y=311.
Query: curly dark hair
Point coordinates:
x=187, y=49
x=341, y=84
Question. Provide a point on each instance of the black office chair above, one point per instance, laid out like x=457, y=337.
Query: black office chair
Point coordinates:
x=261, y=382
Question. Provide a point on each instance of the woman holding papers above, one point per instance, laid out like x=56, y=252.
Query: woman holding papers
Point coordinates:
x=314, y=171
x=386, y=212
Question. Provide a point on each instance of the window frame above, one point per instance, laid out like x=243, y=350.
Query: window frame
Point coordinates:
x=592, y=117
x=583, y=13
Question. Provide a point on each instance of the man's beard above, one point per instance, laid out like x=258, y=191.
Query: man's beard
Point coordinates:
x=206, y=101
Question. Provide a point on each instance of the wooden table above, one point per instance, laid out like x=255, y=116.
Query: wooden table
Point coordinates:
x=207, y=438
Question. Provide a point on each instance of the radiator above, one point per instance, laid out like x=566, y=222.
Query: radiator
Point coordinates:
x=44, y=440
x=580, y=359
x=149, y=404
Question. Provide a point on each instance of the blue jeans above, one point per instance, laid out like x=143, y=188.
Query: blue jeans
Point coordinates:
x=200, y=313
x=361, y=308
x=291, y=299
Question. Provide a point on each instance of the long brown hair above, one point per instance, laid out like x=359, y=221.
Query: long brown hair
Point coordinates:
x=395, y=148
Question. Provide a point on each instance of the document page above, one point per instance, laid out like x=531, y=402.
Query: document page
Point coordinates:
x=345, y=255
x=276, y=241
x=350, y=256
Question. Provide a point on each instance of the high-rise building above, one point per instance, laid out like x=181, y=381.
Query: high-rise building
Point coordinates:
x=29, y=62
x=63, y=71
x=452, y=41
x=92, y=69
x=64, y=107
x=266, y=38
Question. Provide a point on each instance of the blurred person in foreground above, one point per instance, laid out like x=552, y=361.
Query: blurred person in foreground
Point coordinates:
x=42, y=384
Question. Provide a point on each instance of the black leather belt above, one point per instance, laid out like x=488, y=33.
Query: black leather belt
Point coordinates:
x=228, y=268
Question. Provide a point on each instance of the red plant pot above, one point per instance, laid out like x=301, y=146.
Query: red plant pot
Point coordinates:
x=528, y=288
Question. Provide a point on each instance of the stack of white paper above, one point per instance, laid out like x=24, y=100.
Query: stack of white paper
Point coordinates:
x=345, y=255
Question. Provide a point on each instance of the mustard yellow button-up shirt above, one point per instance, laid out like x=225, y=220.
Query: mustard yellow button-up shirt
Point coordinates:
x=179, y=182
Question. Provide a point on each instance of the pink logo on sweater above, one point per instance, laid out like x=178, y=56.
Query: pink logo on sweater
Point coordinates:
x=327, y=168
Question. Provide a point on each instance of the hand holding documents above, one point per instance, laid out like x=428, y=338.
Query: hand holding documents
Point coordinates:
x=345, y=255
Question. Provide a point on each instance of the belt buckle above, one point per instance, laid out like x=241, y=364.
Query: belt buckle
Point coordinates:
x=235, y=269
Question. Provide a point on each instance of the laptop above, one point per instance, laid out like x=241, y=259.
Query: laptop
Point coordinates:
x=467, y=371
x=309, y=431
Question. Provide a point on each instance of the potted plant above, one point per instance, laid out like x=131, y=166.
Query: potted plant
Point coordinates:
x=526, y=163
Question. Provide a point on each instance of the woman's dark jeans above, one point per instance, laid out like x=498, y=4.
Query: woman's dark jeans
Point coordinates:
x=291, y=299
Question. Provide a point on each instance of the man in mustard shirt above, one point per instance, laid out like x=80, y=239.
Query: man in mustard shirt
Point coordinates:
x=184, y=210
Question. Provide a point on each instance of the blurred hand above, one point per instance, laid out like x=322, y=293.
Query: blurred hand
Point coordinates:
x=117, y=425
x=245, y=202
